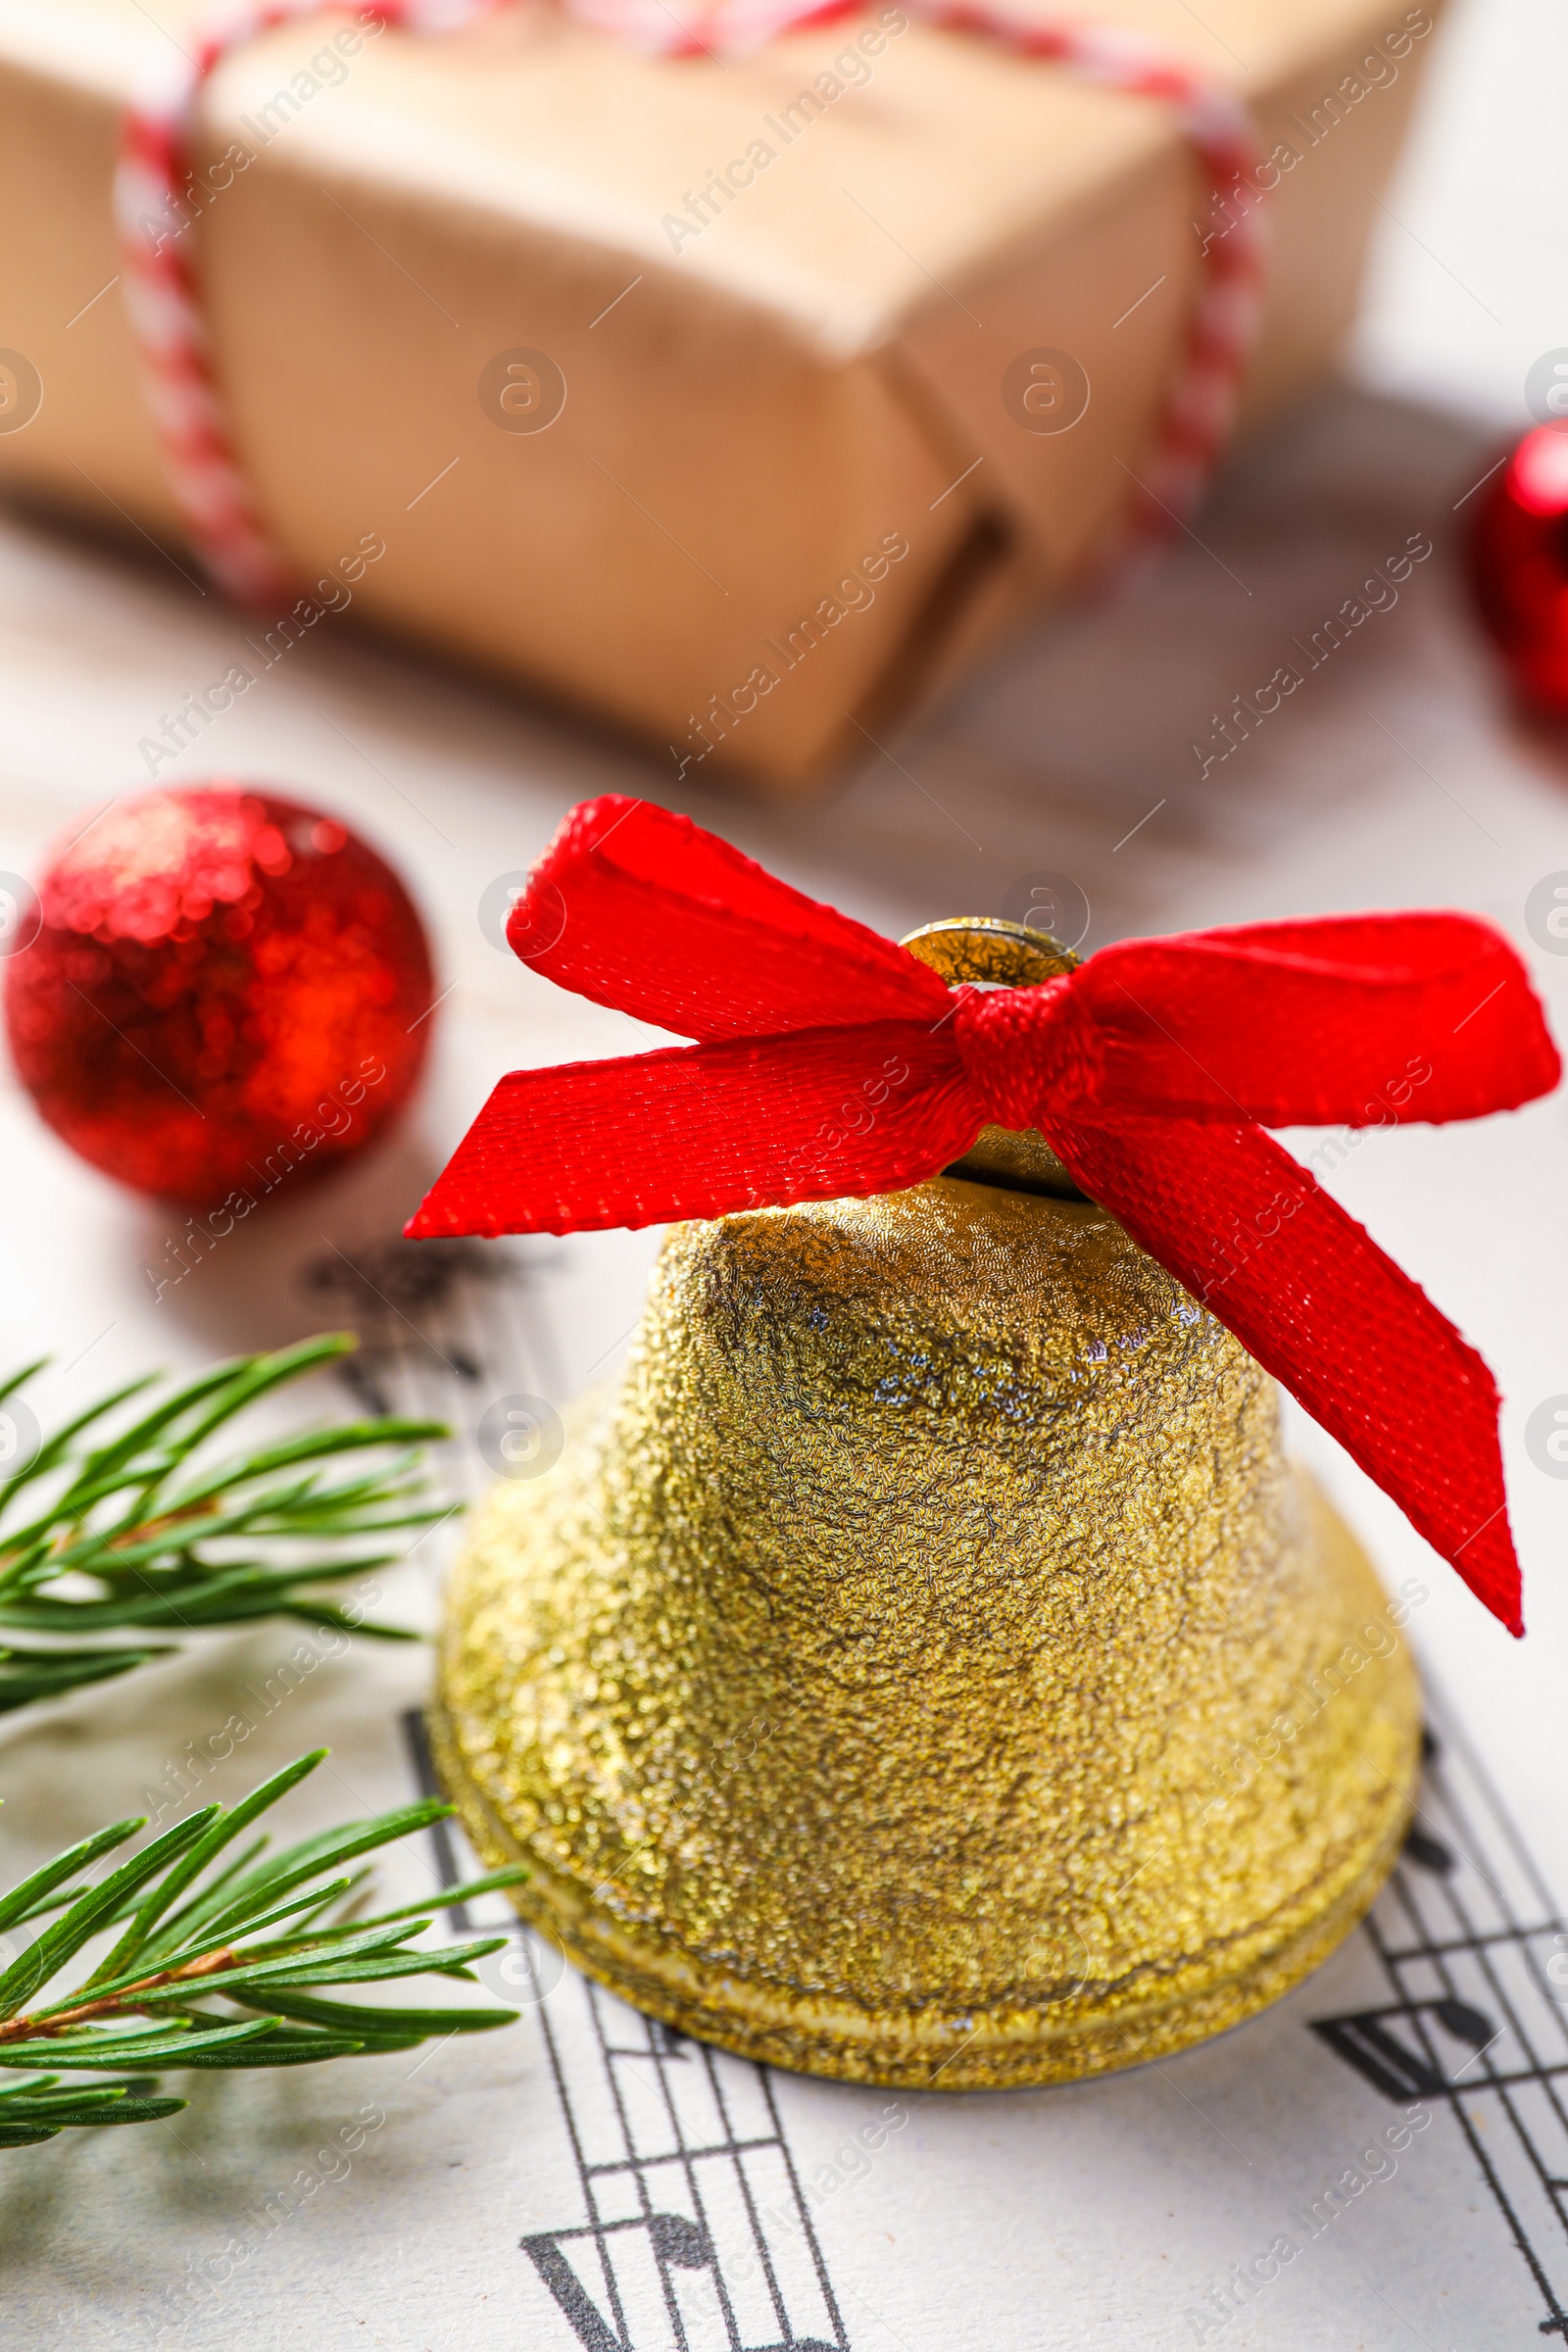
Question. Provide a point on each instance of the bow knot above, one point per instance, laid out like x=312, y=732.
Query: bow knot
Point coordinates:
x=1024, y=1050
x=831, y=1061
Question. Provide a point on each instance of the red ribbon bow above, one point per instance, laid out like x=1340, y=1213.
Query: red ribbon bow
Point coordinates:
x=833, y=1061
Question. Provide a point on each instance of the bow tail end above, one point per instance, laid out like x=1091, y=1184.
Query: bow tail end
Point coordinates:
x=1249, y=1233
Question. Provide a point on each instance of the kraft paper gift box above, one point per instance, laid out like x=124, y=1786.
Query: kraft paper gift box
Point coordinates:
x=677, y=390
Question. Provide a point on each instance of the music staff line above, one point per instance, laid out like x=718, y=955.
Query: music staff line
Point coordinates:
x=676, y=2241
x=673, y=2241
x=1482, y=2016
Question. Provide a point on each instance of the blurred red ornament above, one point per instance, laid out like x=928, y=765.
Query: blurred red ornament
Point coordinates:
x=226, y=990
x=1519, y=566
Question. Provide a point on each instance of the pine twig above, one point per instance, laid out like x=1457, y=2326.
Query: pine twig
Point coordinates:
x=134, y=1529
x=192, y=1934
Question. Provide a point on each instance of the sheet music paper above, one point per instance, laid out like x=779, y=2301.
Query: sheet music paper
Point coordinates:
x=1381, y=2160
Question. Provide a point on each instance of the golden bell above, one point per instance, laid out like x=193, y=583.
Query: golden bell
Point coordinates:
x=924, y=1668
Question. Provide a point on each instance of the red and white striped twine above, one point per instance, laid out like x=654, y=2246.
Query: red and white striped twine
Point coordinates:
x=169, y=328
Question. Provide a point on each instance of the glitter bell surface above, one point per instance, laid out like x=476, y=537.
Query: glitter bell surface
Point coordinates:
x=924, y=1668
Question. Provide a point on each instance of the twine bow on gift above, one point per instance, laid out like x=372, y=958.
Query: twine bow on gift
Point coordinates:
x=157, y=172
x=832, y=1061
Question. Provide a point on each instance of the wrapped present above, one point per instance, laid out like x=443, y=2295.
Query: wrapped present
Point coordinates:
x=740, y=399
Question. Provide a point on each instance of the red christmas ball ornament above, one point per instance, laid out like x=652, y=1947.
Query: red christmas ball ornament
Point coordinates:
x=226, y=991
x=1519, y=566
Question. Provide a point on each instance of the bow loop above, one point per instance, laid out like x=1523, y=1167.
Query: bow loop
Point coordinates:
x=643, y=911
x=1027, y=1052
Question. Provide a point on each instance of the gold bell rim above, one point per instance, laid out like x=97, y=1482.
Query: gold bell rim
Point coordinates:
x=929, y=2045
x=809, y=2033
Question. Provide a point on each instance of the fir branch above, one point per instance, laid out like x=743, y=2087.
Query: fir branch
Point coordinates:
x=124, y=1530
x=198, y=1933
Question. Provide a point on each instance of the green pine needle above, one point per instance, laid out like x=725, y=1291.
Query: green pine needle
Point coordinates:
x=198, y=1934
x=121, y=1529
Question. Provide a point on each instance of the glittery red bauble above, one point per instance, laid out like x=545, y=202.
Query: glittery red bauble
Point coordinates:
x=226, y=993
x=1519, y=566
